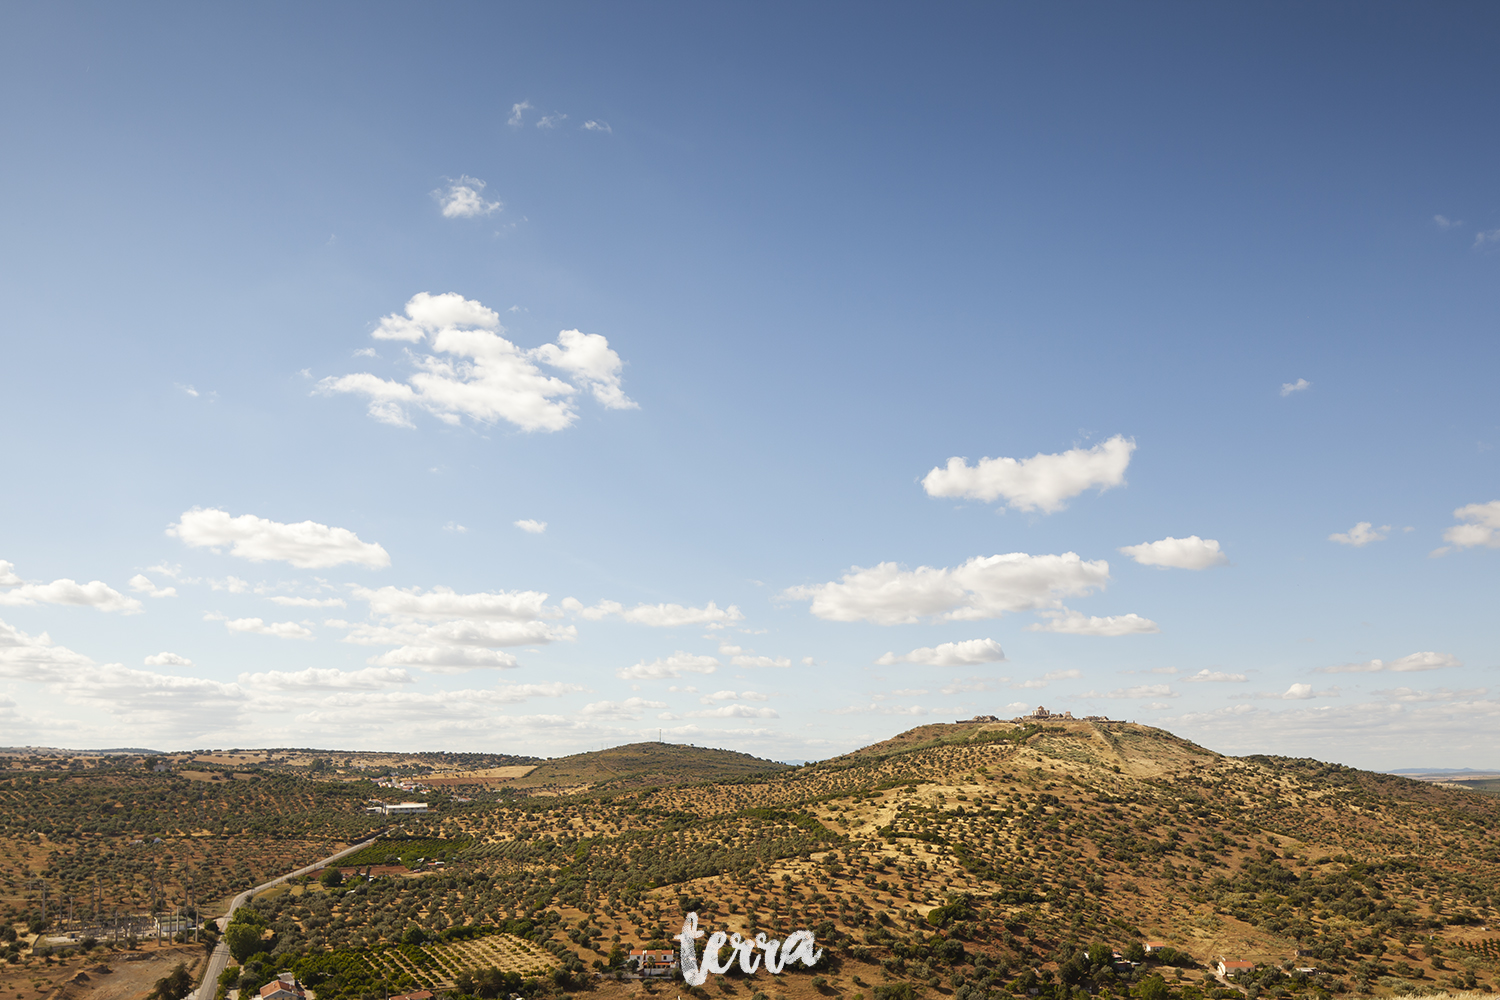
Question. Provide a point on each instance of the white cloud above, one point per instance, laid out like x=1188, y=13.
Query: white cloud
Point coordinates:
x=1215, y=676
x=367, y=352
x=446, y=659
x=1443, y=222
x=444, y=603
x=1070, y=622
x=482, y=375
x=232, y=584
x=719, y=696
x=1042, y=482
x=970, y=685
x=656, y=615
x=464, y=199
x=141, y=585
x=983, y=587
x=1481, y=526
x=1048, y=678
x=950, y=654
x=1488, y=236
x=257, y=626
x=551, y=121
x=1191, y=552
x=326, y=678
x=490, y=634
x=309, y=602
x=442, y=631
x=1360, y=535
x=593, y=125
x=94, y=594
x=516, y=112
x=673, y=666
x=167, y=660
x=1298, y=692
x=1139, y=691
x=588, y=358
x=456, y=528
x=306, y=544
x=1301, y=385
x=761, y=661
x=1406, y=664
x=734, y=712
x=630, y=708
x=531, y=527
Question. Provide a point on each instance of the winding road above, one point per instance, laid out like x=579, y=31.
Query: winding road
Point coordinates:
x=219, y=960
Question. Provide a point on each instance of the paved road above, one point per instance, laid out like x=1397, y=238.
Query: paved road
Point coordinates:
x=219, y=960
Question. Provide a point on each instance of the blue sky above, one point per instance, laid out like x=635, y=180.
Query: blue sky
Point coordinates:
x=1219, y=282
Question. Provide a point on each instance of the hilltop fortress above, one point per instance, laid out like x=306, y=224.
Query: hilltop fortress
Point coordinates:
x=1040, y=714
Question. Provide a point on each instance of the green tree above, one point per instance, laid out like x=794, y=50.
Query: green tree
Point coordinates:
x=243, y=940
x=174, y=985
x=1153, y=987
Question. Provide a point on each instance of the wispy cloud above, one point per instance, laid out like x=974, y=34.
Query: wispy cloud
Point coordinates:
x=1406, y=664
x=517, y=113
x=597, y=126
x=464, y=199
x=1301, y=385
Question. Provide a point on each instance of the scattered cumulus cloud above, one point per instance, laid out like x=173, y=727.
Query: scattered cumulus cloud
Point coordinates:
x=518, y=112
x=1191, y=552
x=464, y=199
x=94, y=594
x=735, y=712
x=630, y=708
x=459, y=529
x=308, y=602
x=1066, y=621
x=1487, y=236
x=167, y=660
x=949, y=654
x=1215, y=676
x=1406, y=664
x=1479, y=526
x=1443, y=222
x=1361, y=534
x=444, y=603
x=1301, y=385
x=983, y=587
x=656, y=615
x=594, y=125
x=186, y=390
x=673, y=666
x=477, y=373
x=258, y=626
x=531, y=527
x=306, y=544
x=1042, y=482
x=1139, y=691
x=143, y=585
x=326, y=678
x=552, y=120
x=744, y=660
